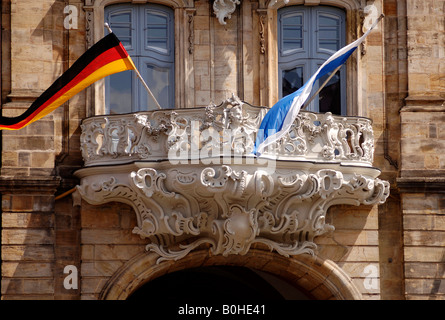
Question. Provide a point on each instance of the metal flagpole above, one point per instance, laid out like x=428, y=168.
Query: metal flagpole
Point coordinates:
x=139, y=75
x=321, y=87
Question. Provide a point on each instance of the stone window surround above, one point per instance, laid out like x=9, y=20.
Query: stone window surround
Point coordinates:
x=184, y=11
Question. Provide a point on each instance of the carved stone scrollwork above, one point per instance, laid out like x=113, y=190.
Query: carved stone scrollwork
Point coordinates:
x=226, y=130
x=189, y=177
x=262, y=15
x=224, y=8
x=231, y=208
x=191, y=35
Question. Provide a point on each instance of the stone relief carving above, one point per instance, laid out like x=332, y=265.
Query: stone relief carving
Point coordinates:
x=191, y=36
x=232, y=208
x=262, y=14
x=226, y=130
x=273, y=2
x=184, y=203
x=224, y=8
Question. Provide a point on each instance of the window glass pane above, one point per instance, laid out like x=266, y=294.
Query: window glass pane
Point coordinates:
x=124, y=34
x=158, y=80
x=293, y=20
x=154, y=18
x=157, y=31
x=329, y=44
x=327, y=21
x=292, y=32
x=328, y=32
x=292, y=80
x=120, y=23
x=120, y=93
x=124, y=17
x=292, y=44
x=330, y=95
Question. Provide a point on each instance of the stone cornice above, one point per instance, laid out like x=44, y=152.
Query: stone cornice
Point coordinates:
x=31, y=184
x=421, y=184
x=424, y=104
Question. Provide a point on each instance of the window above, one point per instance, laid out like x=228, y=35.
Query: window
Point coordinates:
x=308, y=36
x=147, y=33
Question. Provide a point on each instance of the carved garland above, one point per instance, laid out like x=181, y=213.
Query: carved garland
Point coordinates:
x=262, y=17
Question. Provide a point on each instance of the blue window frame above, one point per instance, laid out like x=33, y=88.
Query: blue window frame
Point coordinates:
x=308, y=36
x=147, y=33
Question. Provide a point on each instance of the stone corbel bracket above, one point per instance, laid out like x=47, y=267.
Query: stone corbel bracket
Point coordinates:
x=223, y=9
x=231, y=207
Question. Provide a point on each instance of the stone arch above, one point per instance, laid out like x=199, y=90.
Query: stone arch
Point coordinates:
x=346, y=4
x=323, y=278
x=171, y=3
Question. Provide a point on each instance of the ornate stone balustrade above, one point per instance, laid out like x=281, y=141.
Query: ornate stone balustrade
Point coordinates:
x=227, y=130
x=191, y=181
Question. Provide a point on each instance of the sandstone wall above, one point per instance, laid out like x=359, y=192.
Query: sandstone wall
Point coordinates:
x=397, y=79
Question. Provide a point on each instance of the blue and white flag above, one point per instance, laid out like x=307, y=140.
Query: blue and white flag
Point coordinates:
x=280, y=117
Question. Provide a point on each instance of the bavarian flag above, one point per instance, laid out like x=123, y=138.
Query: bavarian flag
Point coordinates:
x=106, y=57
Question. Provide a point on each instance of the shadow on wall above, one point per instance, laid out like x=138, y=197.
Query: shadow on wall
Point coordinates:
x=39, y=236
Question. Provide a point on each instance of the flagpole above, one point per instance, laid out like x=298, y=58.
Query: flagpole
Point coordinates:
x=321, y=87
x=139, y=75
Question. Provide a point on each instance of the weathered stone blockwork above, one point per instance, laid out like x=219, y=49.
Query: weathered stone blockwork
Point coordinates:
x=397, y=79
x=107, y=244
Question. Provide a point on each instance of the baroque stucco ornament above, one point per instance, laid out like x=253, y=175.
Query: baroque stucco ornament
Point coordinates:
x=231, y=208
x=223, y=9
x=213, y=193
x=210, y=132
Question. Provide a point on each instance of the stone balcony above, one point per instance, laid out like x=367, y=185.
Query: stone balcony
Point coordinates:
x=227, y=130
x=191, y=178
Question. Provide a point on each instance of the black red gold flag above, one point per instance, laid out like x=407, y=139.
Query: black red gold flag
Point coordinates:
x=106, y=57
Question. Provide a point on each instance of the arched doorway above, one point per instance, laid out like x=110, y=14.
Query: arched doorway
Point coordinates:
x=234, y=282
x=308, y=277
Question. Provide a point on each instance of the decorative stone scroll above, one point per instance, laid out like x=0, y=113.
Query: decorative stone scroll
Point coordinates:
x=224, y=8
x=192, y=181
x=231, y=208
x=227, y=130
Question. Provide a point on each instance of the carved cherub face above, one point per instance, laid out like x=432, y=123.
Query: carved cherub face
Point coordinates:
x=236, y=115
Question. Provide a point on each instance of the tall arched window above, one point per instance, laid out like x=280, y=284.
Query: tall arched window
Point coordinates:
x=147, y=32
x=308, y=36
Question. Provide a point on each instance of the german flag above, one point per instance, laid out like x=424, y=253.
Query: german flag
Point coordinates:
x=106, y=57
